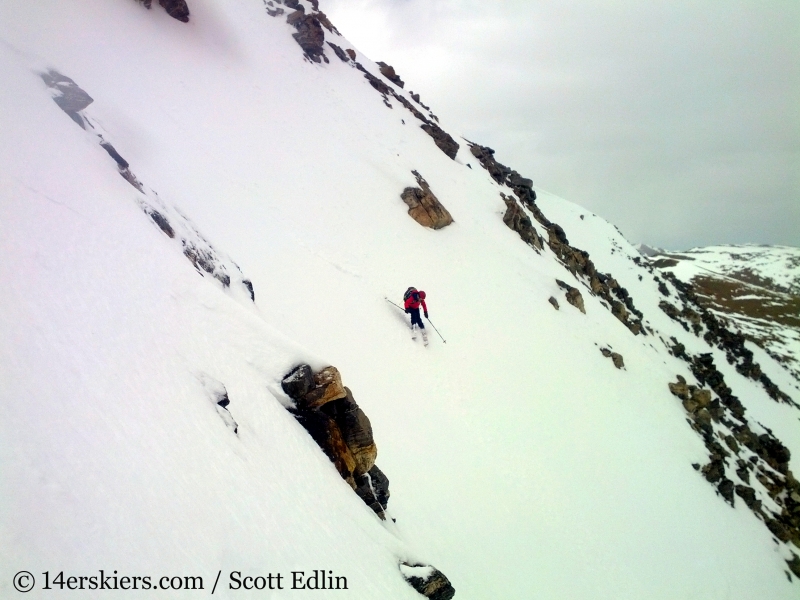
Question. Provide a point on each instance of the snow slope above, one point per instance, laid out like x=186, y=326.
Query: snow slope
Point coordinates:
x=522, y=463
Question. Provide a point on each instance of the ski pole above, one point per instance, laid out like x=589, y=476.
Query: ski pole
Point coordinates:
x=436, y=330
x=397, y=305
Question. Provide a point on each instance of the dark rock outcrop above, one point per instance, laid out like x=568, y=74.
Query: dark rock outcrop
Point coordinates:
x=516, y=219
x=388, y=72
x=177, y=9
x=330, y=414
x=310, y=35
x=553, y=301
x=428, y=581
x=573, y=295
x=424, y=207
x=615, y=357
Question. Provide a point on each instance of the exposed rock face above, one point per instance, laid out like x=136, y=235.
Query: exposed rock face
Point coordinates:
x=441, y=138
x=330, y=414
x=68, y=95
x=761, y=455
x=356, y=431
x=424, y=207
x=428, y=581
x=177, y=9
x=324, y=430
x=309, y=36
x=388, y=72
x=576, y=261
x=516, y=219
x=573, y=295
x=615, y=357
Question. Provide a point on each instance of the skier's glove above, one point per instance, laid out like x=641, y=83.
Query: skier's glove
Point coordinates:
x=426, y=315
x=407, y=312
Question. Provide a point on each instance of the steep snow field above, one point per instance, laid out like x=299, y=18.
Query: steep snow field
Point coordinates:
x=522, y=463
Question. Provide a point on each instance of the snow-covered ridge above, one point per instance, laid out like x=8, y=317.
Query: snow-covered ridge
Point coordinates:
x=523, y=463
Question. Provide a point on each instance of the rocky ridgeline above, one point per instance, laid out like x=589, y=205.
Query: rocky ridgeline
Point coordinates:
x=616, y=298
x=207, y=261
x=177, y=9
x=692, y=315
x=759, y=462
x=311, y=25
x=333, y=419
x=424, y=207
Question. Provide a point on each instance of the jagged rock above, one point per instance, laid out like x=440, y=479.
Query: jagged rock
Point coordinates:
x=67, y=95
x=310, y=35
x=298, y=382
x=351, y=53
x=327, y=387
x=794, y=564
x=516, y=219
x=339, y=52
x=177, y=9
x=373, y=489
x=442, y=139
x=249, y=285
x=356, y=431
x=388, y=72
x=161, y=221
x=424, y=207
x=774, y=452
x=615, y=357
x=517, y=180
x=573, y=295
x=748, y=495
x=726, y=488
x=428, y=581
x=553, y=301
x=714, y=471
x=326, y=434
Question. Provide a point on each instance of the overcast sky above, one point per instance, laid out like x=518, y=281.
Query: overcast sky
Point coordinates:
x=677, y=121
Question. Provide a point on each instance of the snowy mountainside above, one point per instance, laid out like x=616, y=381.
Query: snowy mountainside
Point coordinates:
x=522, y=462
x=756, y=288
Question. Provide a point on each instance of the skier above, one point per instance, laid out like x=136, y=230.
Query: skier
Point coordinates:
x=413, y=298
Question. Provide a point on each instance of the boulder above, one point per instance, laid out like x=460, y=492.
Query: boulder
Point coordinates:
x=324, y=431
x=356, y=431
x=428, y=581
x=309, y=36
x=177, y=9
x=298, y=382
x=327, y=387
x=553, y=301
x=573, y=295
x=516, y=219
x=424, y=207
x=373, y=489
x=442, y=139
x=389, y=72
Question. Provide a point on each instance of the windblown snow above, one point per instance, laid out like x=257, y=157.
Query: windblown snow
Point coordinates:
x=522, y=463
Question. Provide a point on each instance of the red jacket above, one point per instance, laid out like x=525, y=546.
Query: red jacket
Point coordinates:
x=415, y=299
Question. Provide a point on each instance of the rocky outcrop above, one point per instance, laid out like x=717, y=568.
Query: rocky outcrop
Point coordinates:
x=702, y=322
x=330, y=414
x=388, y=72
x=516, y=219
x=177, y=9
x=428, y=581
x=441, y=138
x=424, y=207
x=573, y=295
x=310, y=35
x=67, y=95
x=615, y=357
x=553, y=301
x=617, y=299
x=745, y=453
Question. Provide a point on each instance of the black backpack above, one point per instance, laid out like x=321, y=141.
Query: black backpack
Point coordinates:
x=411, y=292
